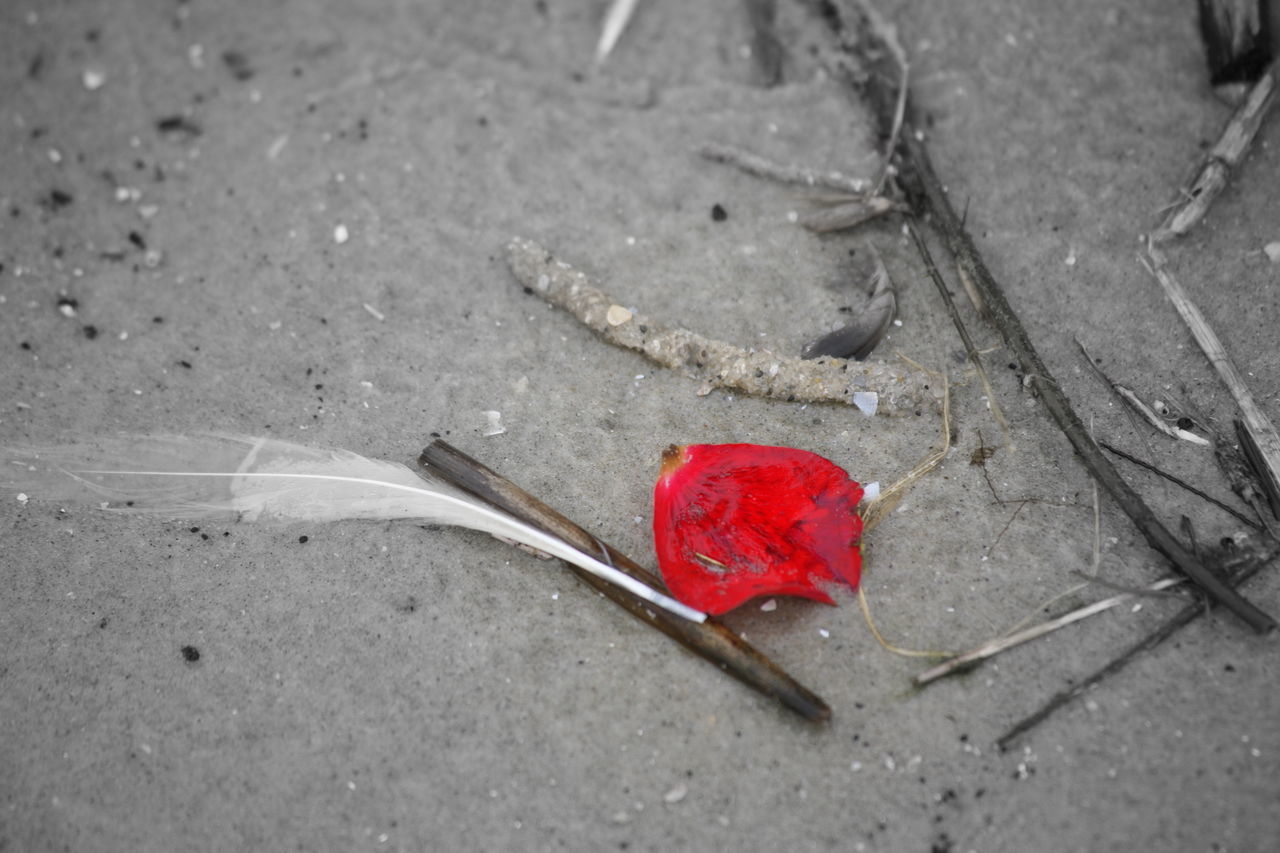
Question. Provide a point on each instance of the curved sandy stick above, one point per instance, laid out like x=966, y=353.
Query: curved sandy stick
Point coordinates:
x=890, y=389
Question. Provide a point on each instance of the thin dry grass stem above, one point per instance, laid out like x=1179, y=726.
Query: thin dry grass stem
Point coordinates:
x=1070, y=591
x=754, y=164
x=1177, y=481
x=888, y=499
x=888, y=646
x=970, y=348
x=888, y=35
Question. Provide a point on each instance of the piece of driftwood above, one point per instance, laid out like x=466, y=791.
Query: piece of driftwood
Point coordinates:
x=886, y=388
x=710, y=639
x=1216, y=165
x=1240, y=568
x=929, y=199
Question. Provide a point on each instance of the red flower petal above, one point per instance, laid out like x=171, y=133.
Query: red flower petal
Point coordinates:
x=736, y=521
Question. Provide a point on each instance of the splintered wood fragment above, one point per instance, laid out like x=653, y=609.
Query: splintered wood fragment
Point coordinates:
x=889, y=389
x=1216, y=166
x=754, y=164
x=1257, y=426
x=710, y=639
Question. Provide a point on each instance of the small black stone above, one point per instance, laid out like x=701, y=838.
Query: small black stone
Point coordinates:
x=718, y=213
x=302, y=540
x=190, y=654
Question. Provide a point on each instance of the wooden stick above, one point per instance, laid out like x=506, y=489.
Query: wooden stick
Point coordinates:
x=710, y=639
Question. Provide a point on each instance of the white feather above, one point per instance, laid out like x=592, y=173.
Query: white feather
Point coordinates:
x=262, y=479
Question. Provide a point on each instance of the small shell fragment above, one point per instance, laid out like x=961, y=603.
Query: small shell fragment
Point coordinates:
x=866, y=401
x=676, y=794
x=617, y=315
x=494, y=427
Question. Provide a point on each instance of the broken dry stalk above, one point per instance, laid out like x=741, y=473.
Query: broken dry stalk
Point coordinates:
x=753, y=164
x=709, y=639
x=872, y=387
x=1224, y=156
x=1257, y=426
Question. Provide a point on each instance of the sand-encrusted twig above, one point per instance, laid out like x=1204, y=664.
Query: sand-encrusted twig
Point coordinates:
x=1218, y=161
x=891, y=389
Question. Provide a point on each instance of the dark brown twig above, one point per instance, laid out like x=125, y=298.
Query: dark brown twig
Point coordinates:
x=710, y=639
x=1128, y=457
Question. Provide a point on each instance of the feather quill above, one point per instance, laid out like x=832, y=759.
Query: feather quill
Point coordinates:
x=261, y=479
